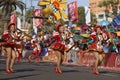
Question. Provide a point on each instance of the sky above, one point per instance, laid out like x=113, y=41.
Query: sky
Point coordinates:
x=80, y=2
x=34, y=2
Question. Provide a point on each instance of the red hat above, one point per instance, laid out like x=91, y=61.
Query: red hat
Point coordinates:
x=58, y=26
x=10, y=25
x=98, y=27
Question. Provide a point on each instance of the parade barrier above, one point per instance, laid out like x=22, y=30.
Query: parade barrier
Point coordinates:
x=81, y=59
x=87, y=59
x=112, y=60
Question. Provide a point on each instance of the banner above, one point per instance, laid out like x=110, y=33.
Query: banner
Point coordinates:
x=37, y=21
x=87, y=15
x=73, y=11
x=18, y=23
x=13, y=18
x=116, y=21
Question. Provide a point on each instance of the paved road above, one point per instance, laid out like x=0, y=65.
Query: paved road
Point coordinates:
x=45, y=71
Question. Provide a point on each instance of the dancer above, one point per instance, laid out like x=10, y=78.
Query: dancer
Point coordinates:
x=35, y=45
x=100, y=53
x=59, y=46
x=20, y=46
x=9, y=41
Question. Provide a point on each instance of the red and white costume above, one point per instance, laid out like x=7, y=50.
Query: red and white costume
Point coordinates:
x=8, y=39
x=59, y=42
x=36, y=50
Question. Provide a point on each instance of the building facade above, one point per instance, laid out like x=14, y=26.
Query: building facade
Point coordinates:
x=99, y=12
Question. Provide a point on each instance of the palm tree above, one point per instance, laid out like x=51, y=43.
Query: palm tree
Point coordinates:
x=1, y=22
x=8, y=6
x=28, y=14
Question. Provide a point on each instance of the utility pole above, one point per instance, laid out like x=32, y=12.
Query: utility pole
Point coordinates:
x=31, y=3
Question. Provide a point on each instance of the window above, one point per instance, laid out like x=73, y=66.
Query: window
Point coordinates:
x=101, y=16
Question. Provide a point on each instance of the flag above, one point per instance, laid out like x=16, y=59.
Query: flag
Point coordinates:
x=87, y=15
x=73, y=11
x=35, y=30
x=18, y=23
x=13, y=18
x=116, y=21
x=36, y=21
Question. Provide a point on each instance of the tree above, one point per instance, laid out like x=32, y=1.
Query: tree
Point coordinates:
x=93, y=18
x=28, y=15
x=10, y=5
x=18, y=13
x=1, y=22
x=81, y=15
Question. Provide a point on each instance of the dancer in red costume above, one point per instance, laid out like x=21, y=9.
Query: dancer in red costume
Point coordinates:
x=59, y=46
x=36, y=50
x=8, y=44
x=20, y=46
x=99, y=53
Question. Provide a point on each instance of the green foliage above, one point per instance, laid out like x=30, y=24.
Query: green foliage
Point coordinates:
x=9, y=5
x=1, y=22
x=1, y=15
x=105, y=3
x=29, y=13
x=18, y=13
x=31, y=30
x=93, y=18
x=81, y=16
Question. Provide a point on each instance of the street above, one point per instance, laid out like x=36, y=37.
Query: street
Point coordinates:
x=45, y=71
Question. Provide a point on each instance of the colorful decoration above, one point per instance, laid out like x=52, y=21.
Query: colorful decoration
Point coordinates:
x=55, y=9
x=85, y=35
x=104, y=23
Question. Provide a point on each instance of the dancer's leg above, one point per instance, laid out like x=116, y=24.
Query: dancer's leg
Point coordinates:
x=8, y=59
x=12, y=60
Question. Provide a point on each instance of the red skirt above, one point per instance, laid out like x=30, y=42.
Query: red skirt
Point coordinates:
x=5, y=44
x=58, y=46
x=93, y=46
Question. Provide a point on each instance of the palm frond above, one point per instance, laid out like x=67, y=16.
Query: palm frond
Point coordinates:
x=15, y=7
x=2, y=3
x=105, y=3
x=9, y=5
